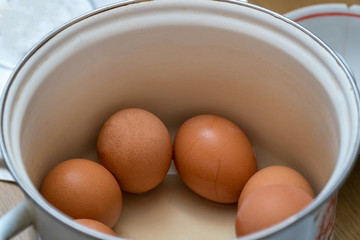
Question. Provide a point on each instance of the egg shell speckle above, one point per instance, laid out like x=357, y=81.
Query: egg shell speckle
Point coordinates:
x=82, y=188
x=275, y=175
x=136, y=147
x=214, y=157
x=268, y=206
x=96, y=225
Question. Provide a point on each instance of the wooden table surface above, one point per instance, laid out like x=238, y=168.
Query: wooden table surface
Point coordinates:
x=347, y=225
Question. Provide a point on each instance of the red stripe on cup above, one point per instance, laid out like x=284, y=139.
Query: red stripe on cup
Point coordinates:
x=327, y=14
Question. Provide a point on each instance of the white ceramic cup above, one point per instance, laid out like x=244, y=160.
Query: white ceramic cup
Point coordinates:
x=292, y=95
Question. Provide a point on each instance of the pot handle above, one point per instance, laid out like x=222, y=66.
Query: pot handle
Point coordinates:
x=16, y=220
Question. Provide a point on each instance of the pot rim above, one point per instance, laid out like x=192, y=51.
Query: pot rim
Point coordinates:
x=46, y=208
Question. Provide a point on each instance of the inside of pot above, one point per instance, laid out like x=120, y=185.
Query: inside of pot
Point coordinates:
x=272, y=87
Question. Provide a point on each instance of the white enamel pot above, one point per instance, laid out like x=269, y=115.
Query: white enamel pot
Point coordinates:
x=292, y=95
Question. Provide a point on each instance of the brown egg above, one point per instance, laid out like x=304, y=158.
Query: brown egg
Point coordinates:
x=96, y=225
x=268, y=206
x=275, y=175
x=214, y=157
x=82, y=188
x=136, y=147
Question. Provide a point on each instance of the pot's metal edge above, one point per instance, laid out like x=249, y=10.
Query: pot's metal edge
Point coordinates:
x=261, y=234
